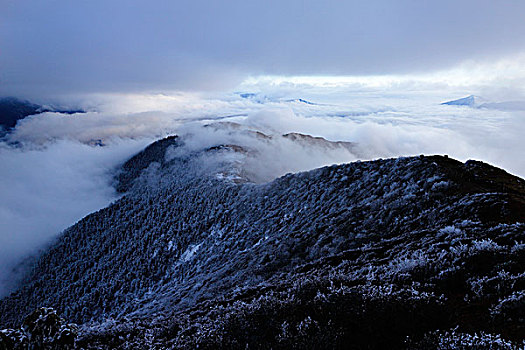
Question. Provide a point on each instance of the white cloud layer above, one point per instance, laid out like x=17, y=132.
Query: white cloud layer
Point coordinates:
x=54, y=178
x=46, y=189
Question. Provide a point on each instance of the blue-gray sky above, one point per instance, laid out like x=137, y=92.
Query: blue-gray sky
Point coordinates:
x=60, y=46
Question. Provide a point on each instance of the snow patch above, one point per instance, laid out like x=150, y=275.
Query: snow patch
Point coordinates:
x=189, y=253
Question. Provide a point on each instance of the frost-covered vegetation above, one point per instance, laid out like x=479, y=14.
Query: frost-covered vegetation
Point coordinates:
x=42, y=329
x=410, y=252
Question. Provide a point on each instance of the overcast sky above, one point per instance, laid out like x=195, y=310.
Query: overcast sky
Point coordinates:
x=60, y=46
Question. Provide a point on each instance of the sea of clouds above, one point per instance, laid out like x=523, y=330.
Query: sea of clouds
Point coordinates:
x=57, y=168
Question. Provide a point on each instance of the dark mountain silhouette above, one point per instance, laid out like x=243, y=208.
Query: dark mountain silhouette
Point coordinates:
x=13, y=109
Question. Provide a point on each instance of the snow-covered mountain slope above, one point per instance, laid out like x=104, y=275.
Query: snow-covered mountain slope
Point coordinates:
x=255, y=156
x=311, y=141
x=387, y=253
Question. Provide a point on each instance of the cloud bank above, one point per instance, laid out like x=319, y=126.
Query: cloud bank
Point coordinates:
x=54, y=175
x=45, y=190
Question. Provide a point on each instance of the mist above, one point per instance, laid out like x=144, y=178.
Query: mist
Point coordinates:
x=46, y=189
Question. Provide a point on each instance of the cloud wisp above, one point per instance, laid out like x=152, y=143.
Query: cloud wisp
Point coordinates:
x=44, y=190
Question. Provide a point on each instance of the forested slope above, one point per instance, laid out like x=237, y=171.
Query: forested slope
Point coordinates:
x=416, y=251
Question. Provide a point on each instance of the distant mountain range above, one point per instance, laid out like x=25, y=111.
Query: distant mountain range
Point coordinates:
x=417, y=252
x=264, y=99
x=13, y=109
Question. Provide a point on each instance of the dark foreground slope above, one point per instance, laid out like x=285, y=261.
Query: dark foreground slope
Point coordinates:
x=410, y=252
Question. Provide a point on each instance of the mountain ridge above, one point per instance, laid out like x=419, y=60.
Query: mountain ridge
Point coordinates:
x=187, y=259
x=13, y=109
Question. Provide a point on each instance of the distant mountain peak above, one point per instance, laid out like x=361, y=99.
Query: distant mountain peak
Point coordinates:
x=470, y=101
x=235, y=153
x=301, y=100
x=482, y=103
x=258, y=98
